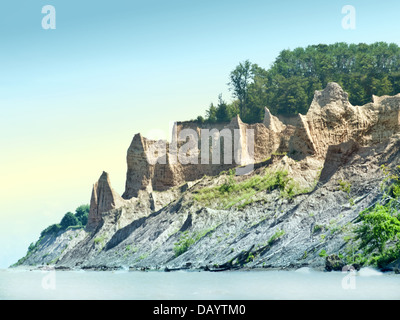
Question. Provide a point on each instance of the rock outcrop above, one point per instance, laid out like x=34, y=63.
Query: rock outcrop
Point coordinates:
x=272, y=123
x=330, y=121
x=104, y=199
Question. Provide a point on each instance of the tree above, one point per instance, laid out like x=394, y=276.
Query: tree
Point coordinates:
x=68, y=220
x=288, y=86
x=222, y=113
x=378, y=227
x=82, y=213
x=257, y=95
x=211, y=114
x=240, y=79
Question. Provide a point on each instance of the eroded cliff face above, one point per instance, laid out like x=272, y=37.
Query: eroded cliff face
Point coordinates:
x=332, y=120
x=104, y=199
x=333, y=142
x=331, y=131
x=235, y=144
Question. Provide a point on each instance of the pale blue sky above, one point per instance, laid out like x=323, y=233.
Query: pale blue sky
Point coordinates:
x=71, y=99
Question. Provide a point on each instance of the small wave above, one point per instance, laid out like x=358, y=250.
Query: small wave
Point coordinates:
x=303, y=270
x=78, y=270
x=369, y=272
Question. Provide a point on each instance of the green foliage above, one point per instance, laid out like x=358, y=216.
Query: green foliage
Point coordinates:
x=82, y=213
x=317, y=228
x=69, y=219
x=231, y=192
x=79, y=219
x=277, y=235
x=100, y=241
x=229, y=183
x=322, y=253
x=240, y=79
x=223, y=112
x=345, y=186
x=250, y=257
x=183, y=244
x=53, y=229
x=186, y=240
x=378, y=227
x=378, y=234
x=288, y=86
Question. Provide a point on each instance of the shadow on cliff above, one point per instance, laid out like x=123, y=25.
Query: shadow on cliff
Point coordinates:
x=126, y=231
x=336, y=157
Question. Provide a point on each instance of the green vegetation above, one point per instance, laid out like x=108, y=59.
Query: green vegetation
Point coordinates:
x=186, y=240
x=323, y=253
x=231, y=193
x=345, y=186
x=143, y=256
x=277, y=235
x=99, y=240
x=376, y=241
x=318, y=228
x=288, y=86
x=184, y=243
x=69, y=221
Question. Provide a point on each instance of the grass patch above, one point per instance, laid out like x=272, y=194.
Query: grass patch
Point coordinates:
x=318, y=228
x=277, y=235
x=323, y=253
x=100, y=241
x=345, y=186
x=231, y=192
x=186, y=240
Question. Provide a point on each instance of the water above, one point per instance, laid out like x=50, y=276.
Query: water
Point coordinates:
x=241, y=285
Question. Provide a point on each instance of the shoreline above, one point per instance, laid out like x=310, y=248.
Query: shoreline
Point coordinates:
x=45, y=268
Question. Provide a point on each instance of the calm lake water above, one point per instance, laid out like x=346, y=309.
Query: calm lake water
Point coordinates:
x=242, y=285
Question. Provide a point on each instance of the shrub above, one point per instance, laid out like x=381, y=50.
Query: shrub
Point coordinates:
x=275, y=237
x=53, y=229
x=183, y=244
x=69, y=219
x=82, y=213
x=186, y=241
x=345, y=186
x=377, y=236
x=323, y=253
x=378, y=227
x=317, y=228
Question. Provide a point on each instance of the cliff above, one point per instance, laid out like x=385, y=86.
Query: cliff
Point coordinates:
x=104, y=199
x=173, y=215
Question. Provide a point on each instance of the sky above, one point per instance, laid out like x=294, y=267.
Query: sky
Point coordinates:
x=73, y=97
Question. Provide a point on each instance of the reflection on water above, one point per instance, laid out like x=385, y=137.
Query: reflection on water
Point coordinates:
x=303, y=283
